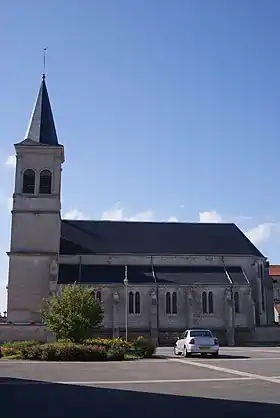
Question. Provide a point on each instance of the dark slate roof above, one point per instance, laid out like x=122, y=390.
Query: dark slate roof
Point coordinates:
x=154, y=238
x=114, y=274
x=41, y=127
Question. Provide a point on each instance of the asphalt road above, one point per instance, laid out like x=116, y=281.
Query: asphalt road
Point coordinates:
x=242, y=381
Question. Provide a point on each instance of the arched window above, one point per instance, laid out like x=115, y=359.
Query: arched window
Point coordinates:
x=45, y=182
x=236, y=302
x=174, y=303
x=210, y=303
x=98, y=295
x=204, y=302
x=137, y=303
x=28, y=184
x=168, y=303
x=131, y=303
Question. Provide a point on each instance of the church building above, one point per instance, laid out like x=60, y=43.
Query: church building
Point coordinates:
x=169, y=276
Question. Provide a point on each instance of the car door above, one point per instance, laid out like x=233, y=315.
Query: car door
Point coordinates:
x=181, y=341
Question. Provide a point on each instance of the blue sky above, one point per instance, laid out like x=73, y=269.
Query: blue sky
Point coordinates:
x=167, y=109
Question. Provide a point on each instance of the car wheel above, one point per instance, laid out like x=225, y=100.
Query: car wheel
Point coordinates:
x=186, y=353
x=176, y=352
x=215, y=354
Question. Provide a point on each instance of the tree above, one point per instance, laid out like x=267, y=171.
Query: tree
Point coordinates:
x=73, y=313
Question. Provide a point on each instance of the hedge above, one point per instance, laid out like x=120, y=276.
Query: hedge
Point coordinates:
x=96, y=349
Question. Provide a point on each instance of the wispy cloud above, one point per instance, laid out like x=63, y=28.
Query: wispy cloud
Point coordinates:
x=262, y=232
x=117, y=213
x=210, y=217
x=75, y=214
x=11, y=161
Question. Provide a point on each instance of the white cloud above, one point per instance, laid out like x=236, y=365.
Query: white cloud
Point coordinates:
x=118, y=214
x=210, y=217
x=75, y=214
x=172, y=219
x=114, y=214
x=10, y=203
x=257, y=235
x=146, y=216
x=11, y=161
x=262, y=232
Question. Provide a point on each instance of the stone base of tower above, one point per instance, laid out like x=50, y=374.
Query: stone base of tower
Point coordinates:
x=25, y=332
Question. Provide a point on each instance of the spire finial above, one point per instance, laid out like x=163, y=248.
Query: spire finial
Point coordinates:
x=44, y=66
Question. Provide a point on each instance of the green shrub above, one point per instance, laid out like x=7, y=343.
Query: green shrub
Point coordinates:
x=73, y=313
x=31, y=352
x=141, y=347
x=95, y=349
x=64, y=352
x=19, y=344
x=144, y=348
x=110, y=343
x=14, y=348
x=116, y=354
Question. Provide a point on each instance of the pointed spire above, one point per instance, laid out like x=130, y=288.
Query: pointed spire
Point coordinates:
x=41, y=127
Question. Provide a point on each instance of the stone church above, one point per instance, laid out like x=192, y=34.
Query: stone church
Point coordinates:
x=178, y=275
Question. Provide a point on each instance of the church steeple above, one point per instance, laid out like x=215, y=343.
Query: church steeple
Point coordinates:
x=41, y=128
x=36, y=216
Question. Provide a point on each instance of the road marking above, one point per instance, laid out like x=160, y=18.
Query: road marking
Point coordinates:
x=136, y=382
x=139, y=361
x=252, y=352
x=22, y=381
x=226, y=370
x=243, y=359
x=267, y=351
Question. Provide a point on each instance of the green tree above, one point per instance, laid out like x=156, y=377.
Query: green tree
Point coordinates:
x=73, y=313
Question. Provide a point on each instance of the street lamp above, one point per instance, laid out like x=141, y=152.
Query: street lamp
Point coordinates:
x=126, y=301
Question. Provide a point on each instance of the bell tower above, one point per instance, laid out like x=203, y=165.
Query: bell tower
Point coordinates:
x=35, y=233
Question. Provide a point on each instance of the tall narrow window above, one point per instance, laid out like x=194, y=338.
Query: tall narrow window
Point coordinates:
x=137, y=303
x=45, y=182
x=168, y=303
x=204, y=302
x=236, y=302
x=28, y=184
x=131, y=303
x=174, y=303
x=98, y=295
x=210, y=303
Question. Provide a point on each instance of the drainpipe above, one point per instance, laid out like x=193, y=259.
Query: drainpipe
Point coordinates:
x=230, y=310
x=80, y=269
x=157, y=295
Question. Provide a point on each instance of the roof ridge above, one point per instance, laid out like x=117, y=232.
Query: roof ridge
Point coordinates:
x=147, y=222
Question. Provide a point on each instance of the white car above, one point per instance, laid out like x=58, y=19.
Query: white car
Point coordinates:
x=197, y=341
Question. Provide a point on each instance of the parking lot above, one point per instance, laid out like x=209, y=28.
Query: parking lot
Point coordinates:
x=242, y=380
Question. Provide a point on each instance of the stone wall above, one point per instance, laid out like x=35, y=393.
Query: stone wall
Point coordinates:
x=189, y=307
x=22, y=332
x=253, y=267
x=267, y=334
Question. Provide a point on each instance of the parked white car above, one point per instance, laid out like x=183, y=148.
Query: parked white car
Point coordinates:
x=197, y=341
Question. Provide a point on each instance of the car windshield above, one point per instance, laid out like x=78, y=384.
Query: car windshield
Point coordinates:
x=200, y=333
